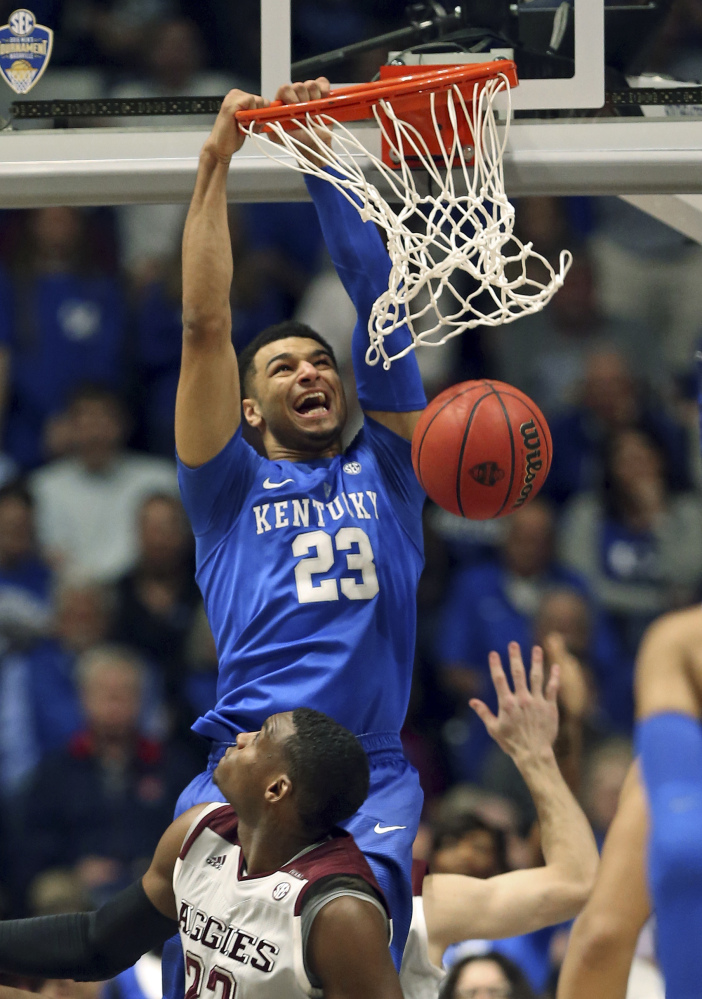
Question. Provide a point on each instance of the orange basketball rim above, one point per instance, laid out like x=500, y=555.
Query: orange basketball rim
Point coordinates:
x=407, y=89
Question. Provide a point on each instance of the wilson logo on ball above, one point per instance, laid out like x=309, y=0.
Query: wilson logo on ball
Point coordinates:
x=532, y=443
x=487, y=473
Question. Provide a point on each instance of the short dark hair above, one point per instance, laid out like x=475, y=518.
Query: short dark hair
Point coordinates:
x=280, y=331
x=328, y=768
x=455, y=827
x=17, y=490
x=512, y=972
x=98, y=392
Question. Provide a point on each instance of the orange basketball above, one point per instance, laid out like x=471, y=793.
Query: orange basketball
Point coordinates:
x=482, y=449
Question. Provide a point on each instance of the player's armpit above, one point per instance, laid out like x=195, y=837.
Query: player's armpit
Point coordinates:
x=603, y=940
x=402, y=424
x=348, y=951
x=669, y=665
x=158, y=880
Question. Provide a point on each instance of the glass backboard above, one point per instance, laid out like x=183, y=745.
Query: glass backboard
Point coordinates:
x=594, y=112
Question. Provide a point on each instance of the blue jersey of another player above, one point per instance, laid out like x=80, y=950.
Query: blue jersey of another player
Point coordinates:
x=309, y=574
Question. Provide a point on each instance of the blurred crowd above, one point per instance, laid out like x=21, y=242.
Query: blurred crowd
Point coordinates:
x=105, y=653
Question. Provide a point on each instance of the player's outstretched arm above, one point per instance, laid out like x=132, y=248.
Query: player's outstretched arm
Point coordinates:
x=604, y=936
x=525, y=727
x=396, y=397
x=95, y=946
x=669, y=741
x=208, y=406
x=348, y=951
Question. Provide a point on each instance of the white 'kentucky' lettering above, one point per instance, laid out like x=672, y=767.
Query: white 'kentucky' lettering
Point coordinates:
x=296, y=512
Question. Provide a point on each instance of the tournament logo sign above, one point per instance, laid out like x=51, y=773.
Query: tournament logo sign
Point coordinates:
x=25, y=50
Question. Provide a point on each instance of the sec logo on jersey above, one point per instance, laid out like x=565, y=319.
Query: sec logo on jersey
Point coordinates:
x=281, y=890
x=352, y=467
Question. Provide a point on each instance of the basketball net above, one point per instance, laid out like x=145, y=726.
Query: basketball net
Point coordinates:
x=465, y=224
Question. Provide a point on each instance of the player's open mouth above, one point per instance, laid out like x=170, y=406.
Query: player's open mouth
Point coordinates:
x=312, y=404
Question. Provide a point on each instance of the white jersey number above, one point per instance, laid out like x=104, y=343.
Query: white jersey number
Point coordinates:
x=358, y=560
x=217, y=977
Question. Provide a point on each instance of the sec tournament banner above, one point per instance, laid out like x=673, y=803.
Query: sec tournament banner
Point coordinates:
x=25, y=50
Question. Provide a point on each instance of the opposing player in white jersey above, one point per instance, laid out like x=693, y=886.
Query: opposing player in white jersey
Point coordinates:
x=271, y=897
x=450, y=908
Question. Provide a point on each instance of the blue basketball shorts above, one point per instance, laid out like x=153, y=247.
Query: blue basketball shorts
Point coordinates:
x=384, y=829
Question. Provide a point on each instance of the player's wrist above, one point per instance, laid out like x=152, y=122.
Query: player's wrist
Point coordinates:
x=212, y=155
x=535, y=759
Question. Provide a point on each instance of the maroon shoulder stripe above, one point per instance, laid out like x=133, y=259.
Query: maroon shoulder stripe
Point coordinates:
x=204, y=822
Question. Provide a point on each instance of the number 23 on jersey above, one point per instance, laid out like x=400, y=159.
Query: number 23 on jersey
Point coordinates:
x=349, y=543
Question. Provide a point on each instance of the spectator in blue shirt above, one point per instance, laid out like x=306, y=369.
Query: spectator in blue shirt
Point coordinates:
x=610, y=401
x=68, y=326
x=39, y=705
x=490, y=605
x=100, y=806
x=636, y=540
x=25, y=579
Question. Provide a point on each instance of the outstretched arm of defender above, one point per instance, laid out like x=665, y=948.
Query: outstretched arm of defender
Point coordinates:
x=603, y=941
x=525, y=727
x=208, y=405
x=95, y=946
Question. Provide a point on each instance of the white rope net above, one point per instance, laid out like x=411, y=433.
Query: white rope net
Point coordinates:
x=459, y=227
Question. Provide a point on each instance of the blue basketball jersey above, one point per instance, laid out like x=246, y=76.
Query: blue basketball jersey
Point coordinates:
x=309, y=574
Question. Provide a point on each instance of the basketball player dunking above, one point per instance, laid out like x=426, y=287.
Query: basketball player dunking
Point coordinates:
x=308, y=559
x=269, y=895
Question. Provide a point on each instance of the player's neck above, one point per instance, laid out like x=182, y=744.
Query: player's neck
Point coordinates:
x=276, y=451
x=268, y=849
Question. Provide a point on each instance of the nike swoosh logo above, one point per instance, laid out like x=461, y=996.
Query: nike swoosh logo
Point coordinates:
x=383, y=829
x=267, y=484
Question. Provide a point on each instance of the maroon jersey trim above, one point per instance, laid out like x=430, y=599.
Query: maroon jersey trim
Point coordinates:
x=208, y=821
x=420, y=869
x=339, y=855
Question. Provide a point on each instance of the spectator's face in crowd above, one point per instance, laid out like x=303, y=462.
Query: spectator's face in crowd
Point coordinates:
x=482, y=979
x=475, y=854
x=16, y=530
x=603, y=782
x=57, y=231
x=163, y=534
x=634, y=459
x=61, y=988
x=98, y=430
x=608, y=390
x=175, y=52
x=574, y=305
x=528, y=545
x=82, y=619
x=567, y=613
x=111, y=698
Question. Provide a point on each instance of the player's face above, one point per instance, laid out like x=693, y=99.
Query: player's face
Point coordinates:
x=248, y=769
x=298, y=393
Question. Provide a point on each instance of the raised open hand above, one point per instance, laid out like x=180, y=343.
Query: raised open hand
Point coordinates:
x=527, y=718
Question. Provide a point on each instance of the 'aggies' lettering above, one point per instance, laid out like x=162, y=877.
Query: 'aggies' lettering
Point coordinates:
x=230, y=941
x=299, y=509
